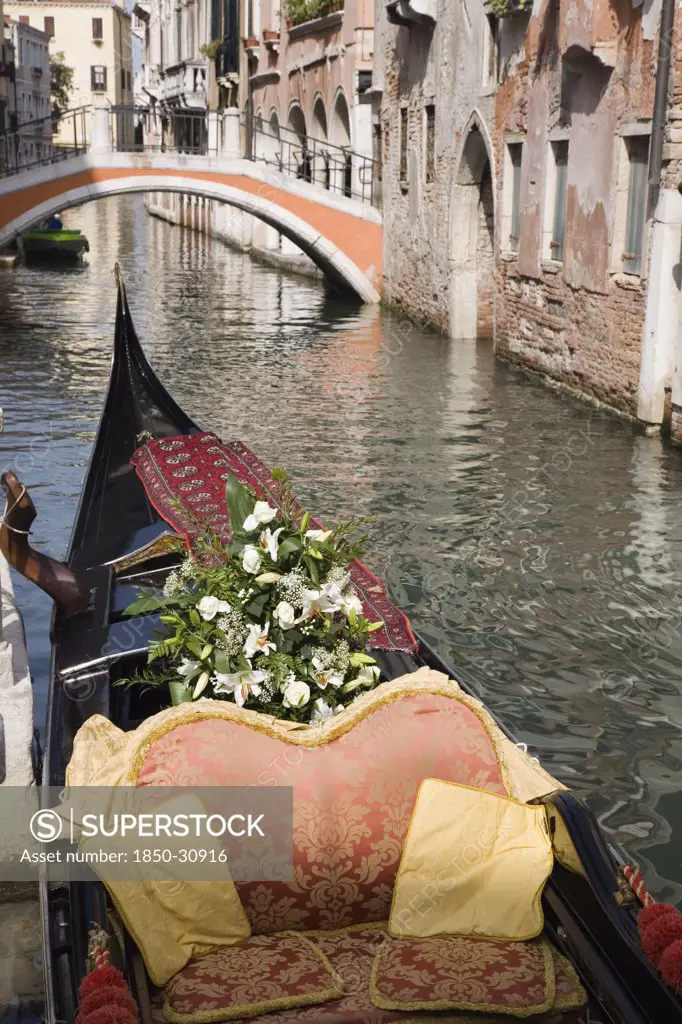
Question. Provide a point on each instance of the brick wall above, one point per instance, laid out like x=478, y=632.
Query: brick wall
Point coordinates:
x=579, y=320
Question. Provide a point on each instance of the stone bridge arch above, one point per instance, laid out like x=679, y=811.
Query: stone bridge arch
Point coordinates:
x=343, y=239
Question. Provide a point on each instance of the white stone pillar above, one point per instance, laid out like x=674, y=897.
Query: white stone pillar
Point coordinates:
x=232, y=141
x=213, y=132
x=101, y=129
x=661, y=335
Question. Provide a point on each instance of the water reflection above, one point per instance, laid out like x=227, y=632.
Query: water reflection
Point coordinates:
x=534, y=538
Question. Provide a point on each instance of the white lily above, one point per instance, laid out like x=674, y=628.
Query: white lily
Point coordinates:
x=188, y=668
x=351, y=602
x=262, y=513
x=269, y=542
x=327, y=600
x=241, y=684
x=209, y=607
x=367, y=676
x=285, y=614
x=321, y=711
x=318, y=535
x=257, y=641
x=251, y=559
x=325, y=677
x=296, y=695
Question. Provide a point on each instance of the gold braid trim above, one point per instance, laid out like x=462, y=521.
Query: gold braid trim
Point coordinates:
x=576, y=999
x=384, y=1003
x=425, y=680
x=335, y=991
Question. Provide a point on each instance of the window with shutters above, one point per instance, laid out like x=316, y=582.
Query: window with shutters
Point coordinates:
x=49, y=27
x=555, y=215
x=635, y=218
x=430, y=155
x=97, y=30
x=513, y=183
x=98, y=78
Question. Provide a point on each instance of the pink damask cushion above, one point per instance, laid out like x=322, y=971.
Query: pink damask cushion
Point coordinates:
x=454, y=972
x=265, y=973
x=353, y=796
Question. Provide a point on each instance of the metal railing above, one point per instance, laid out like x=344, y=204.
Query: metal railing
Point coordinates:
x=141, y=129
x=68, y=137
x=337, y=169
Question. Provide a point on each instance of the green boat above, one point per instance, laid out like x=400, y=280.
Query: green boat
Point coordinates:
x=58, y=244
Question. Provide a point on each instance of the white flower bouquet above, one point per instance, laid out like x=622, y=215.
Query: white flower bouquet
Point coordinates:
x=270, y=620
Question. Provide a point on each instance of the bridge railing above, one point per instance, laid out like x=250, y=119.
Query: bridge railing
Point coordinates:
x=337, y=169
x=141, y=129
x=58, y=137
x=334, y=168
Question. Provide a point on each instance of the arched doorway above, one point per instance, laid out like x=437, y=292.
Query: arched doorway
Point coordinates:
x=472, y=242
x=297, y=156
x=321, y=166
x=342, y=170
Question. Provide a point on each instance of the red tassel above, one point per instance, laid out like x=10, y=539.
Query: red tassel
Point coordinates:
x=101, y=978
x=109, y=995
x=104, y=998
x=670, y=965
x=653, y=912
x=110, y=1015
x=660, y=934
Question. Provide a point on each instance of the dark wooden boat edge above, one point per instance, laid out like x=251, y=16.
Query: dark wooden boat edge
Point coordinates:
x=584, y=917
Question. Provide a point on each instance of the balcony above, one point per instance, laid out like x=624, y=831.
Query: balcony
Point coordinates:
x=185, y=85
x=151, y=80
x=411, y=12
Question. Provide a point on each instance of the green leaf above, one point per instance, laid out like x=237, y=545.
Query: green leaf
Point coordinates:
x=145, y=604
x=289, y=546
x=373, y=626
x=358, y=659
x=194, y=646
x=312, y=569
x=222, y=662
x=257, y=606
x=239, y=503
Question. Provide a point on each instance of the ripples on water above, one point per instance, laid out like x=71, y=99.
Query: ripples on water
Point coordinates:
x=535, y=539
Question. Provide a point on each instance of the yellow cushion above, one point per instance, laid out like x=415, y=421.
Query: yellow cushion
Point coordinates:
x=474, y=863
x=171, y=920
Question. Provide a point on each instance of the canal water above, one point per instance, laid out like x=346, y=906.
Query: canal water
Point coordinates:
x=536, y=540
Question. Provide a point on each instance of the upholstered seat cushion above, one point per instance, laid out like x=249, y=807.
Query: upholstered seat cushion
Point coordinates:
x=266, y=972
x=352, y=953
x=453, y=972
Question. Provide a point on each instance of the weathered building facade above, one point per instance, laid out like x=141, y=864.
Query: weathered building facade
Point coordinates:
x=433, y=125
x=523, y=149
x=573, y=130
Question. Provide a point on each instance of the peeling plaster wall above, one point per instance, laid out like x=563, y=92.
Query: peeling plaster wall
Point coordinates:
x=419, y=65
x=582, y=70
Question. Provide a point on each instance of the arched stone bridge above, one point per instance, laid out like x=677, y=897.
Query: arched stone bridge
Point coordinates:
x=343, y=236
